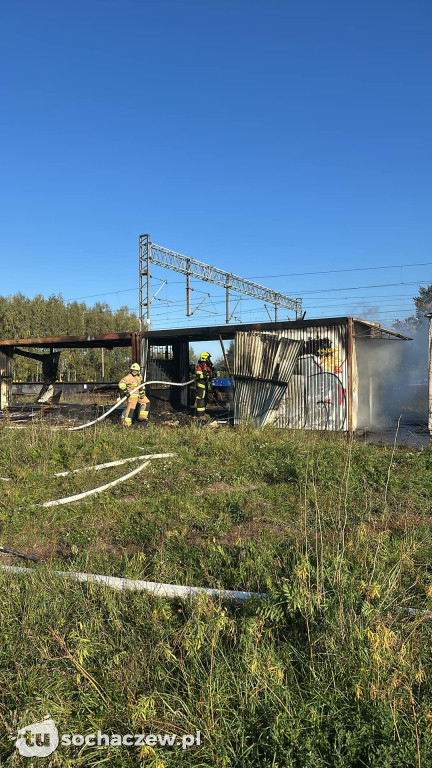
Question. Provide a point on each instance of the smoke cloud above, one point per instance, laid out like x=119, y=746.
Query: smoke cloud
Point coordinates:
x=393, y=380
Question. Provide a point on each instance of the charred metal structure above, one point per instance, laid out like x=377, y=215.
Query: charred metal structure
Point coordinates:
x=5, y=378
x=49, y=358
x=326, y=384
x=300, y=374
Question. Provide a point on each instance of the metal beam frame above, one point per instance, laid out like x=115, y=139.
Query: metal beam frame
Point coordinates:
x=150, y=253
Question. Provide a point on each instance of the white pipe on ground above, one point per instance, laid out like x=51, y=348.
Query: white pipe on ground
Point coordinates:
x=156, y=588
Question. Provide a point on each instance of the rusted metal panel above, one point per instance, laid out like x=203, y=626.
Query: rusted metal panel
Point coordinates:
x=63, y=342
x=263, y=366
x=266, y=356
x=212, y=333
x=136, y=351
x=204, y=333
x=350, y=375
x=144, y=356
x=355, y=389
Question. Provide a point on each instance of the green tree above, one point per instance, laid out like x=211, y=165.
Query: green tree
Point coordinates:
x=423, y=304
x=22, y=318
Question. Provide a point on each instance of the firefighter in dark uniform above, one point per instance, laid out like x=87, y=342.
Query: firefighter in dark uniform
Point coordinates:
x=204, y=373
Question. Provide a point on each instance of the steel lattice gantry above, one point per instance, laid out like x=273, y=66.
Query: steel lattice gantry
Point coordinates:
x=150, y=253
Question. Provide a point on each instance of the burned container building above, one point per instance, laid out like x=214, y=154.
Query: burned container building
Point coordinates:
x=333, y=384
x=302, y=374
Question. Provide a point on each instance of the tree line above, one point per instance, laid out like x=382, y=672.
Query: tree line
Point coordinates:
x=22, y=318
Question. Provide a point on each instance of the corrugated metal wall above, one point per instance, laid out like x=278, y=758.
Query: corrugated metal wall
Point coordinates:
x=263, y=366
x=317, y=394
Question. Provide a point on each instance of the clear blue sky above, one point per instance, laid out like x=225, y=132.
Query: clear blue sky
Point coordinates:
x=266, y=138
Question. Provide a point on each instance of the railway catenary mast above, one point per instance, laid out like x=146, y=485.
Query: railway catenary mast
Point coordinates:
x=150, y=253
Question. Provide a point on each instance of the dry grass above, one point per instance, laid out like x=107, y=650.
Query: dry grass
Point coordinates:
x=328, y=672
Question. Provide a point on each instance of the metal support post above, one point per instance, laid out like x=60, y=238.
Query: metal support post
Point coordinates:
x=350, y=375
x=430, y=377
x=148, y=256
x=144, y=274
x=140, y=283
x=188, y=309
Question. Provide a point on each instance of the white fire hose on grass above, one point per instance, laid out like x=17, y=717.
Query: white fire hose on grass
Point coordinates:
x=100, y=488
x=79, y=496
x=96, y=467
x=156, y=588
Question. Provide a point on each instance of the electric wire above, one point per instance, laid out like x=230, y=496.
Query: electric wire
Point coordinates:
x=282, y=274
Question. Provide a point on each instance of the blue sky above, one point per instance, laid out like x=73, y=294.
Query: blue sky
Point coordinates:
x=267, y=138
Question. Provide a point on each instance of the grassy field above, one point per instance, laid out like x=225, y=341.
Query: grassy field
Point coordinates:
x=330, y=670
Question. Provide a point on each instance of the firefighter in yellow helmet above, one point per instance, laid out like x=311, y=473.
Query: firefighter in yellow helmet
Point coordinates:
x=204, y=373
x=127, y=384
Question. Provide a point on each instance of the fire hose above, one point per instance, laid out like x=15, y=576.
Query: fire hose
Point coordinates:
x=123, y=399
x=156, y=588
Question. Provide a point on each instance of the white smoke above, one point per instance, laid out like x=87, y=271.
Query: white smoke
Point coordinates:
x=367, y=314
x=393, y=380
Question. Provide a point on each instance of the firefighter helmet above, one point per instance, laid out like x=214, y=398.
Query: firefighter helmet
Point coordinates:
x=204, y=356
x=135, y=367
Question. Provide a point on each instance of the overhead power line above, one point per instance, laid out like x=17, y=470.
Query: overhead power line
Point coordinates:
x=108, y=293
x=360, y=287
x=351, y=269
x=287, y=274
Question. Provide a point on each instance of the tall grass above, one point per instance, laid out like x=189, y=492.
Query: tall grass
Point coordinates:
x=330, y=670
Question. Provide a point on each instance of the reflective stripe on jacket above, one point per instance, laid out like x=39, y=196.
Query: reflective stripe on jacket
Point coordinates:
x=129, y=383
x=204, y=371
